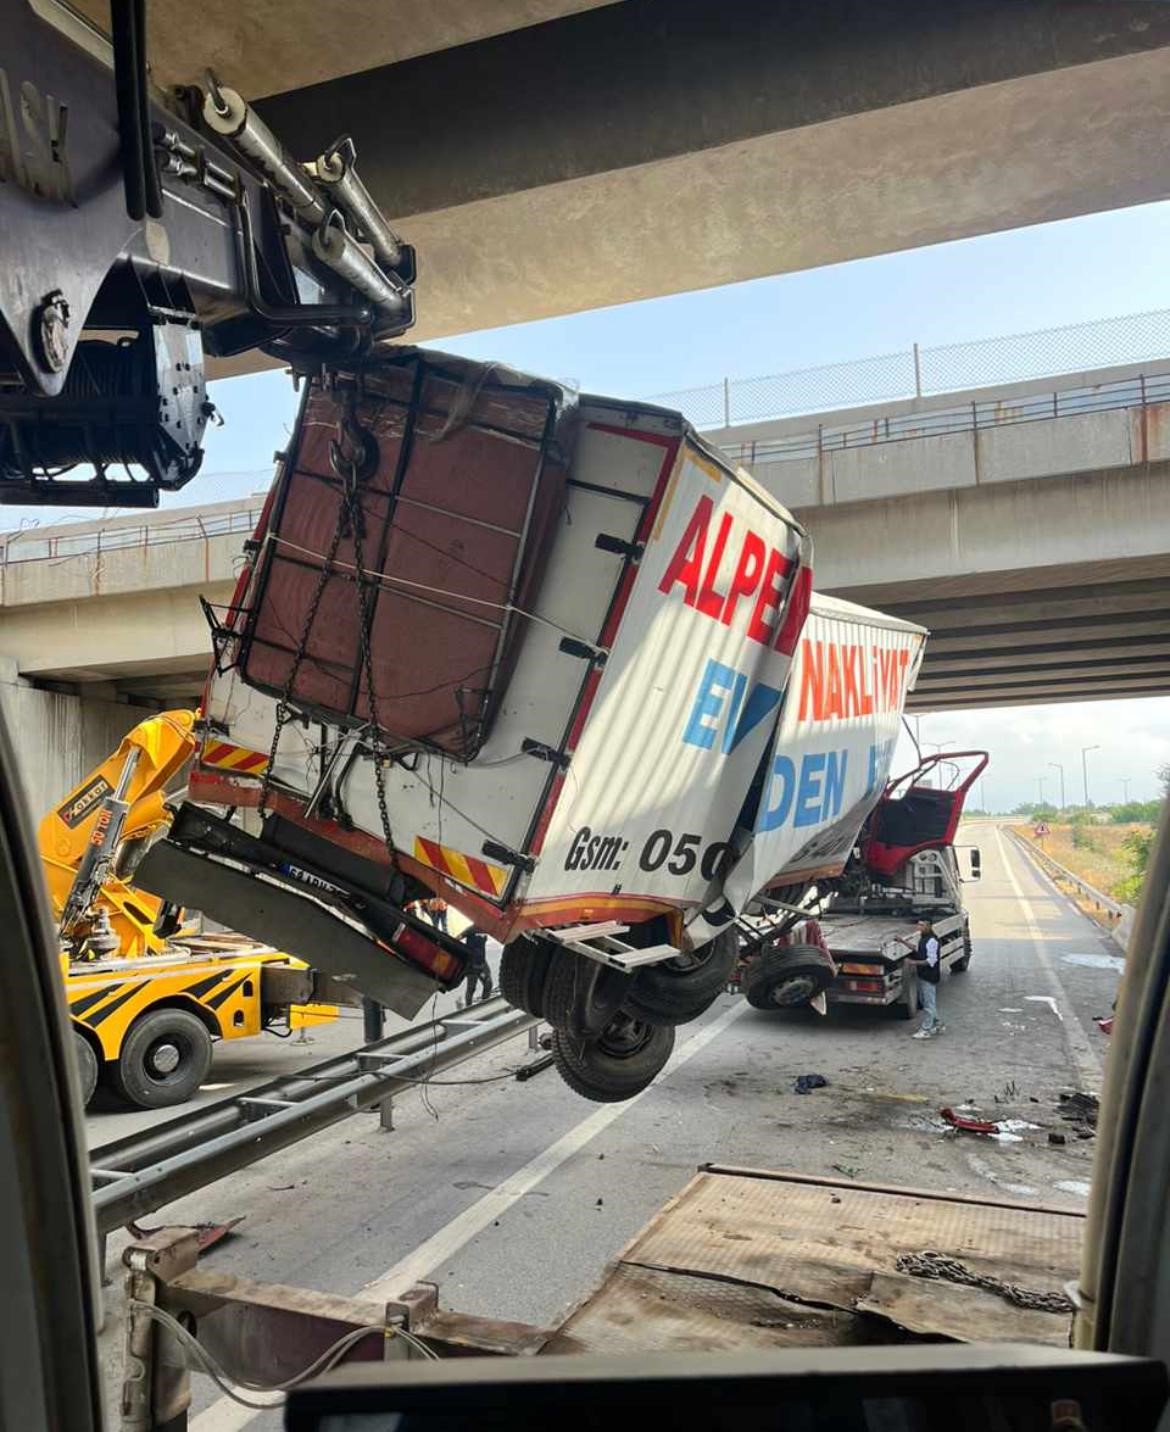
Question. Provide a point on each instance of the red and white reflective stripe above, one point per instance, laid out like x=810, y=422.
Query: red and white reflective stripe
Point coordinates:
x=468, y=870
x=228, y=757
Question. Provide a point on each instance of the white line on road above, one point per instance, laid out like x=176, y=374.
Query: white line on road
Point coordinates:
x=228, y=1416
x=1084, y=1056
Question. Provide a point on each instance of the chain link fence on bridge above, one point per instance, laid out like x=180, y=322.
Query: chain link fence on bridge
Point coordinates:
x=918, y=372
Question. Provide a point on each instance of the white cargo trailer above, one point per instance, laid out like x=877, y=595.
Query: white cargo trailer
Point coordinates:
x=528, y=653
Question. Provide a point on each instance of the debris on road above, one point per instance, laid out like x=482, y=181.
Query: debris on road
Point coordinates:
x=1080, y=1109
x=806, y=1083
x=1055, y=1138
x=967, y=1125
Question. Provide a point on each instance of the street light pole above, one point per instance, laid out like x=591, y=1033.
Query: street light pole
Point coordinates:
x=1085, y=769
x=1056, y=766
x=1040, y=783
x=1125, y=780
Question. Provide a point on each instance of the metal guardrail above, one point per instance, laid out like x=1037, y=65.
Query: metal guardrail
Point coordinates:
x=969, y=417
x=134, y=1176
x=33, y=545
x=1062, y=872
x=916, y=372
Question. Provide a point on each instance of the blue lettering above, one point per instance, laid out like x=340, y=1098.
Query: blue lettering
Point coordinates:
x=809, y=798
x=761, y=703
x=837, y=763
x=717, y=681
x=779, y=800
x=730, y=738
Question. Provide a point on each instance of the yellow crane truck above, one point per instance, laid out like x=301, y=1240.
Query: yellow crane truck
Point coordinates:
x=147, y=995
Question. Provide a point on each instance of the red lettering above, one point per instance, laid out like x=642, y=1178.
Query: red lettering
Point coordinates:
x=833, y=696
x=796, y=614
x=887, y=667
x=760, y=626
x=686, y=566
x=903, y=662
x=851, y=702
x=710, y=601
x=812, y=680
x=865, y=693
x=747, y=574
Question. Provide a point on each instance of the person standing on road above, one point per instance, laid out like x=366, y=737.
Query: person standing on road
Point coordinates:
x=925, y=958
x=437, y=910
x=478, y=970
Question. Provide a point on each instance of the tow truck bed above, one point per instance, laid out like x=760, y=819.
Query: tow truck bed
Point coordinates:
x=744, y=1258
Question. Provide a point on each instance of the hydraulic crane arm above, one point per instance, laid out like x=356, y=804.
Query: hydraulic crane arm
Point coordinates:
x=142, y=230
x=83, y=839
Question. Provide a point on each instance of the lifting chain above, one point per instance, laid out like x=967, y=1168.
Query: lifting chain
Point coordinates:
x=930, y=1264
x=353, y=455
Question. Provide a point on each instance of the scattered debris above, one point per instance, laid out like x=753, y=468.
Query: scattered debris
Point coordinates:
x=600, y=1203
x=967, y=1125
x=207, y=1234
x=1104, y=1023
x=1074, y=1185
x=806, y=1083
x=1080, y=1108
x=1055, y=1138
x=1007, y=1131
x=846, y=1170
x=1008, y=1094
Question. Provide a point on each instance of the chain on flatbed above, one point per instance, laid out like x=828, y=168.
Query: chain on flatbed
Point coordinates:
x=929, y=1264
x=136, y=1175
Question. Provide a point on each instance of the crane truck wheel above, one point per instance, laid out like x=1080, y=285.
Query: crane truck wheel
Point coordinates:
x=615, y=1065
x=786, y=976
x=87, y=1067
x=679, y=990
x=164, y=1059
x=960, y=966
x=524, y=970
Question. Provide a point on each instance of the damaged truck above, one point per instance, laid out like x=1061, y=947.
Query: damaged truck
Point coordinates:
x=530, y=652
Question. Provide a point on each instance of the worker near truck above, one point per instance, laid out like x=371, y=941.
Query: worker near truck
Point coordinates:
x=924, y=956
x=478, y=970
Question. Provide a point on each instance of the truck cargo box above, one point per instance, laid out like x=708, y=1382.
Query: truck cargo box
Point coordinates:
x=530, y=652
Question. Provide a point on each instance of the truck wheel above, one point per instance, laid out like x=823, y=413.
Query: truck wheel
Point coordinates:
x=87, y=1067
x=959, y=966
x=164, y=1059
x=583, y=996
x=786, y=976
x=907, y=1005
x=616, y=1065
x=524, y=968
x=680, y=989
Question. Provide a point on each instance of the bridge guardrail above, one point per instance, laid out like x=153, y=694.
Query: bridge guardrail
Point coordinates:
x=33, y=545
x=915, y=372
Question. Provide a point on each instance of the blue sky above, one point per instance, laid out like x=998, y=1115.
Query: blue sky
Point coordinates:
x=1045, y=276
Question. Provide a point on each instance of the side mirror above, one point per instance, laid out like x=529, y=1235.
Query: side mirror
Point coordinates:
x=976, y=863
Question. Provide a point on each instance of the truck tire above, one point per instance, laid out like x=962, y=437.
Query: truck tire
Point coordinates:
x=907, y=1005
x=88, y=1068
x=680, y=989
x=164, y=1059
x=616, y=1065
x=583, y=996
x=787, y=976
x=524, y=968
x=960, y=966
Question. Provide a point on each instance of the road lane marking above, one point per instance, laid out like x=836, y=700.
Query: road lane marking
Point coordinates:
x=228, y=1416
x=1084, y=1057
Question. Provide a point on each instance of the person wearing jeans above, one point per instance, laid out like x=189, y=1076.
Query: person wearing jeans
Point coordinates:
x=925, y=959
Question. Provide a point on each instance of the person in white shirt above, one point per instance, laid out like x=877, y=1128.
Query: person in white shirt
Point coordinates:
x=925, y=958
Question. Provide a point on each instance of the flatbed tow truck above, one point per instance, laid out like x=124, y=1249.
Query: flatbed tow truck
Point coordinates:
x=849, y=943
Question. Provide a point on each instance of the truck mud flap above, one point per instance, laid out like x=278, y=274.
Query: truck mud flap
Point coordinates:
x=288, y=919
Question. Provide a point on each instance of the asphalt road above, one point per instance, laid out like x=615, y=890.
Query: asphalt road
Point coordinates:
x=513, y=1197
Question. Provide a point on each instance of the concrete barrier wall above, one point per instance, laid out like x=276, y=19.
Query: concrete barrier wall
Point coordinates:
x=59, y=738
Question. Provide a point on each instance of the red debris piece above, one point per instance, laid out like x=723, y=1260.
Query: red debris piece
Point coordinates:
x=969, y=1126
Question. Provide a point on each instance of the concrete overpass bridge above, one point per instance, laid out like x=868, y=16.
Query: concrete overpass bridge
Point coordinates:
x=549, y=156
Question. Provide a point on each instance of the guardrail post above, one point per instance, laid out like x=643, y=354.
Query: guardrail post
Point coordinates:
x=917, y=372
x=727, y=402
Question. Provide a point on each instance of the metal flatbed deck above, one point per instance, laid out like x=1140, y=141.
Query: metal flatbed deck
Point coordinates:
x=744, y=1258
